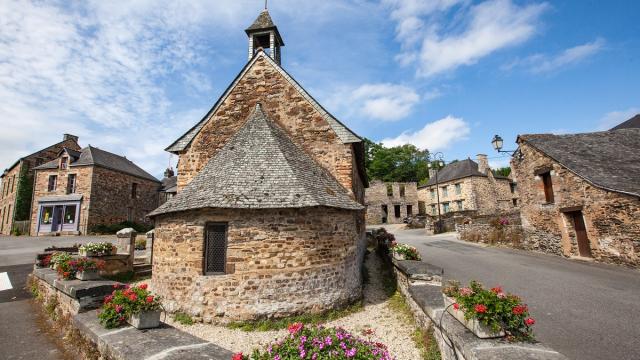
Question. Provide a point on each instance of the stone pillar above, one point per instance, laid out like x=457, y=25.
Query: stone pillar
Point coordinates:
x=127, y=244
x=483, y=163
x=150, y=240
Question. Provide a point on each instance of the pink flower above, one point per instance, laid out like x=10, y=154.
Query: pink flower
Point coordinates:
x=118, y=309
x=496, y=290
x=295, y=327
x=133, y=297
x=501, y=295
x=466, y=291
x=116, y=286
x=108, y=298
x=237, y=356
x=149, y=299
x=529, y=321
x=456, y=306
x=480, y=308
x=519, y=309
x=144, y=287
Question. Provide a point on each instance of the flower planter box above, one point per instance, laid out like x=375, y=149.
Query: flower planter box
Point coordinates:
x=145, y=320
x=87, y=275
x=86, y=253
x=476, y=327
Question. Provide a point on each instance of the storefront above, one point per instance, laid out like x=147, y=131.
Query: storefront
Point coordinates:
x=59, y=214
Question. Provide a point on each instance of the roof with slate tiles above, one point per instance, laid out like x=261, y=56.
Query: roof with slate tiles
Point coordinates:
x=458, y=170
x=260, y=168
x=608, y=159
x=94, y=156
x=634, y=122
x=343, y=133
x=170, y=184
x=263, y=23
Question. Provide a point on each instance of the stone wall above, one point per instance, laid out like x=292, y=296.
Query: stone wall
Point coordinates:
x=279, y=262
x=376, y=196
x=612, y=219
x=283, y=102
x=112, y=201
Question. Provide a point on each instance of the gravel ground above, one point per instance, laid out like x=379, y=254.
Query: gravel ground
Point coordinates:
x=389, y=327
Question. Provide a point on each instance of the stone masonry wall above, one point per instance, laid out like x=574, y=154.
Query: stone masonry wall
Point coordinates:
x=279, y=263
x=83, y=187
x=284, y=104
x=111, y=197
x=612, y=219
x=376, y=196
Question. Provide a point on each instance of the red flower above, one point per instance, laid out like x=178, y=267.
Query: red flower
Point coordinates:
x=480, y=308
x=108, y=298
x=295, y=327
x=133, y=297
x=149, y=299
x=116, y=286
x=143, y=286
x=237, y=356
x=519, y=309
x=456, y=306
x=496, y=290
x=529, y=321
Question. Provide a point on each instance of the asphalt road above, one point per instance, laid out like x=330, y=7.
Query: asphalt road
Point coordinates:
x=584, y=310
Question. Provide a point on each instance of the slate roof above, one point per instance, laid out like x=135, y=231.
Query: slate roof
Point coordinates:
x=260, y=168
x=634, y=122
x=73, y=153
x=343, y=133
x=170, y=184
x=94, y=156
x=263, y=21
x=457, y=170
x=608, y=159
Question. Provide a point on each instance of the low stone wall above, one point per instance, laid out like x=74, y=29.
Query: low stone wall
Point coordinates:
x=499, y=229
x=421, y=285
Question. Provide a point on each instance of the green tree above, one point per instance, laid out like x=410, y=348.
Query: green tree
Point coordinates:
x=23, y=194
x=503, y=171
x=399, y=163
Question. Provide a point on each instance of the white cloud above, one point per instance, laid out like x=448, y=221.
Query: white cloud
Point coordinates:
x=434, y=136
x=613, y=118
x=382, y=101
x=436, y=47
x=540, y=63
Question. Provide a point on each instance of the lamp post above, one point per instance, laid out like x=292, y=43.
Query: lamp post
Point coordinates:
x=497, y=143
x=439, y=163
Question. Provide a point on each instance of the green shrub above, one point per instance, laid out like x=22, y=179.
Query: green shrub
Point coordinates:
x=110, y=229
x=141, y=244
x=183, y=318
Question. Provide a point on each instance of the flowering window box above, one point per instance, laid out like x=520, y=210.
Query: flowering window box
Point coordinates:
x=87, y=275
x=145, y=319
x=476, y=327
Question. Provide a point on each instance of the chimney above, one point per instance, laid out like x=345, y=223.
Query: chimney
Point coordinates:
x=69, y=137
x=432, y=173
x=169, y=173
x=483, y=163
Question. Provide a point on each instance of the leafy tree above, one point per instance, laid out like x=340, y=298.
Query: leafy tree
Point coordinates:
x=399, y=163
x=23, y=194
x=504, y=171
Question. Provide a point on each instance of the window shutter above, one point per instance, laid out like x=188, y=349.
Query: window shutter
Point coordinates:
x=215, y=249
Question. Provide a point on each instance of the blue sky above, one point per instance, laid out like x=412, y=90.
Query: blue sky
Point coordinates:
x=131, y=76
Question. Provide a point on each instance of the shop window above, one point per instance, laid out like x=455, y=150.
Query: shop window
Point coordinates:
x=70, y=214
x=47, y=215
x=215, y=249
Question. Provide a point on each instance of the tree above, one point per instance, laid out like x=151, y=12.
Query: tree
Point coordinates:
x=404, y=163
x=503, y=171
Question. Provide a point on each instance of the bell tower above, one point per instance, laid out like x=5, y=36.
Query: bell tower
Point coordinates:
x=264, y=34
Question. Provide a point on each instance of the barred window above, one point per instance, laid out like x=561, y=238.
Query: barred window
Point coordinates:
x=215, y=249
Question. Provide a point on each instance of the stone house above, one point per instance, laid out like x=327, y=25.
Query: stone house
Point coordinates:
x=390, y=202
x=268, y=219
x=468, y=186
x=81, y=189
x=16, y=183
x=169, y=186
x=580, y=194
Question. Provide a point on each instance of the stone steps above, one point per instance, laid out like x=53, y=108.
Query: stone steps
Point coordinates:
x=141, y=269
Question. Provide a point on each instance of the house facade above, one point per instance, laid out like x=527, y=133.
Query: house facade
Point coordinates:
x=268, y=219
x=81, y=189
x=580, y=194
x=467, y=185
x=390, y=202
x=16, y=183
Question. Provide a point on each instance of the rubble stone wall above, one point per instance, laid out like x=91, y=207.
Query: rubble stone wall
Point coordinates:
x=612, y=219
x=279, y=262
x=376, y=196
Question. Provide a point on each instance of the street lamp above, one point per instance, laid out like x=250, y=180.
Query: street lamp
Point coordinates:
x=497, y=143
x=439, y=163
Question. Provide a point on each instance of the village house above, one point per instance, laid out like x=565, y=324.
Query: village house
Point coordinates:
x=580, y=194
x=467, y=185
x=268, y=219
x=82, y=189
x=390, y=202
x=16, y=184
x=169, y=186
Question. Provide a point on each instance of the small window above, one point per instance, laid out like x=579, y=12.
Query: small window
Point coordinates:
x=396, y=210
x=515, y=202
x=47, y=215
x=512, y=186
x=433, y=209
x=433, y=194
x=70, y=214
x=215, y=249
x=459, y=205
x=389, y=190
x=13, y=183
x=71, y=184
x=445, y=191
x=445, y=207
x=458, y=189
x=409, y=210
x=422, y=208
x=402, y=190
x=53, y=182
x=548, y=187
x=134, y=191
x=64, y=162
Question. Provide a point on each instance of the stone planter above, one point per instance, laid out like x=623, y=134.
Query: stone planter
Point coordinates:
x=397, y=256
x=476, y=327
x=86, y=253
x=88, y=275
x=145, y=320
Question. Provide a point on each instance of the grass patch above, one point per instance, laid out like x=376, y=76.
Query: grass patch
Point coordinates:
x=307, y=319
x=183, y=318
x=427, y=344
x=50, y=308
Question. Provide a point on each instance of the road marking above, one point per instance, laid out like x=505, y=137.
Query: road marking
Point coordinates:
x=5, y=283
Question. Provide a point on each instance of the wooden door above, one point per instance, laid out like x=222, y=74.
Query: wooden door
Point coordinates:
x=581, y=234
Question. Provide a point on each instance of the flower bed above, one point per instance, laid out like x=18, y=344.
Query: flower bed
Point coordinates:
x=319, y=343
x=126, y=302
x=492, y=308
x=97, y=249
x=405, y=252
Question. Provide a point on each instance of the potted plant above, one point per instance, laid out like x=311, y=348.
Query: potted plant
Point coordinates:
x=87, y=269
x=97, y=249
x=43, y=260
x=135, y=305
x=404, y=252
x=489, y=313
x=57, y=258
x=65, y=268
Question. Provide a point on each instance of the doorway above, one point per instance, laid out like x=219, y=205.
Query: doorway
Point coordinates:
x=385, y=211
x=584, y=249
